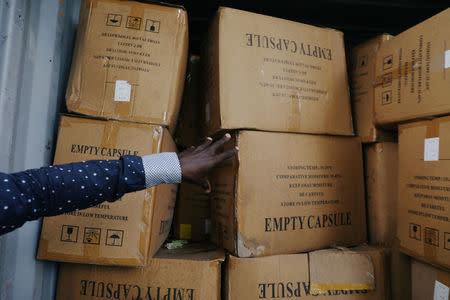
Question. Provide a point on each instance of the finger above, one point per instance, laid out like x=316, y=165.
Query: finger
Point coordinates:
x=226, y=155
x=206, y=185
x=220, y=142
x=187, y=151
x=205, y=144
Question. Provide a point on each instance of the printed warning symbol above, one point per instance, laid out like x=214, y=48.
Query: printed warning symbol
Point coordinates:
x=415, y=231
x=431, y=236
x=386, y=98
x=114, y=20
x=92, y=235
x=387, y=80
x=152, y=25
x=134, y=23
x=388, y=62
x=69, y=233
x=114, y=237
x=362, y=61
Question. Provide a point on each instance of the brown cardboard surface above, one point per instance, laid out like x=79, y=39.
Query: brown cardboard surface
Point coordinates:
x=142, y=44
x=143, y=217
x=381, y=188
x=192, y=220
x=288, y=193
x=188, y=131
x=276, y=75
x=424, y=278
x=399, y=275
x=192, y=273
x=362, y=77
x=423, y=226
x=288, y=276
x=412, y=73
x=381, y=163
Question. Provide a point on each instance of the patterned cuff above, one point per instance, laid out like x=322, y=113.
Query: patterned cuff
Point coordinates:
x=161, y=168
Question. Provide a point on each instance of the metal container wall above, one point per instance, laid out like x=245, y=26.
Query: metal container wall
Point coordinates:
x=36, y=45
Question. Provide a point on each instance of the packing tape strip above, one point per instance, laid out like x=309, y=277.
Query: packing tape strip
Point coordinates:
x=323, y=288
x=433, y=128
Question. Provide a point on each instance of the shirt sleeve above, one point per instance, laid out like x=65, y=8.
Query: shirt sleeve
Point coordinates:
x=54, y=190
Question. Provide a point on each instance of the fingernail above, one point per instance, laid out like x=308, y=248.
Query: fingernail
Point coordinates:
x=237, y=148
x=227, y=135
x=209, y=138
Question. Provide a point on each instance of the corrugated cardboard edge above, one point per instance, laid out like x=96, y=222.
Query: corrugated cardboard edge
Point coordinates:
x=326, y=271
x=179, y=62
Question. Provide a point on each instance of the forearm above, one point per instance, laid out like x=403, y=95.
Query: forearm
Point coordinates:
x=58, y=189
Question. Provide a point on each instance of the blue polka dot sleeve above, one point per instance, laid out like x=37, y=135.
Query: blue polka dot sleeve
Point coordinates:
x=54, y=190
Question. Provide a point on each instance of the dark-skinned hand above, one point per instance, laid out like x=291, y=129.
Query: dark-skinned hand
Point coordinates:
x=197, y=162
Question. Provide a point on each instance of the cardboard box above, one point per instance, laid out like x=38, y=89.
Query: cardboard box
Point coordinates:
x=192, y=220
x=381, y=161
x=381, y=188
x=346, y=275
x=412, y=76
x=428, y=282
x=189, y=129
x=271, y=74
x=140, y=220
x=423, y=226
x=192, y=273
x=129, y=61
x=362, y=60
x=288, y=193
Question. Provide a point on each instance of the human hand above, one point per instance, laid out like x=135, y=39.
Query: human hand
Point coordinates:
x=197, y=162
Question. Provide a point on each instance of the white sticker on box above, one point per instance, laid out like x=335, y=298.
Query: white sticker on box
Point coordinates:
x=447, y=59
x=431, y=149
x=123, y=91
x=440, y=291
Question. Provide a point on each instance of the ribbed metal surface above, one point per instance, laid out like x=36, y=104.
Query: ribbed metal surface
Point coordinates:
x=36, y=42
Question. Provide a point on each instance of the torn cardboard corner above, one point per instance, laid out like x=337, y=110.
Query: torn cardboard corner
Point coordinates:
x=271, y=74
x=340, y=270
x=356, y=274
x=129, y=62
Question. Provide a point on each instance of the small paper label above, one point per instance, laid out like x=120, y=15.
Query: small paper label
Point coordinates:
x=207, y=226
x=440, y=291
x=447, y=59
x=123, y=91
x=431, y=149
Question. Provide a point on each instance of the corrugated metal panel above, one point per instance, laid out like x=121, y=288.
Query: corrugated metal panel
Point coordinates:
x=36, y=42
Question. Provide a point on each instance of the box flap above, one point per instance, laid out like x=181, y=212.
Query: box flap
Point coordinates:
x=340, y=269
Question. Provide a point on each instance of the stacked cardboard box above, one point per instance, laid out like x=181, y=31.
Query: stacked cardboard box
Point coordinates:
x=429, y=282
x=359, y=274
x=291, y=188
x=284, y=192
x=382, y=200
x=190, y=273
x=126, y=67
x=409, y=82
